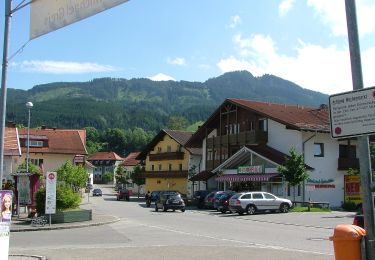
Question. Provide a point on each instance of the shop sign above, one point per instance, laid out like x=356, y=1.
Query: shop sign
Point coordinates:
x=252, y=169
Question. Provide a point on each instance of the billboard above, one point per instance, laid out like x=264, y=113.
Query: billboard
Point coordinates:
x=47, y=15
x=6, y=199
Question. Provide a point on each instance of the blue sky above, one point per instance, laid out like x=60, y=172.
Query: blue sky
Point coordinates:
x=303, y=41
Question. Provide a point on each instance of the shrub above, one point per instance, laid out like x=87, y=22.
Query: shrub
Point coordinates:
x=65, y=199
x=349, y=206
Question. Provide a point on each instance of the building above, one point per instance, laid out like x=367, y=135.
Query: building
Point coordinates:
x=12, y=153
x=50, y=148
x=105, y=162
x=129, y=163
x=168, y=163
x=244, y=141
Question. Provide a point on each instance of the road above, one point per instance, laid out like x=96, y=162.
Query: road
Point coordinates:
x=143, y=233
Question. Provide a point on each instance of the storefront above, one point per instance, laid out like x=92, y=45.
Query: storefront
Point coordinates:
x=250, y=169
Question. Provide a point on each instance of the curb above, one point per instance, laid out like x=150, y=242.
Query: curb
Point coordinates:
x=47, y=228
x=17, y=256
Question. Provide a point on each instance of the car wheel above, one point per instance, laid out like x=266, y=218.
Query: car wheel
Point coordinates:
x=223, y=211
x=240, y=213
x=250, y=210
x=182, y=210
x=284, y=208
x=164, y=208
x=156, y=208
x=174, y=210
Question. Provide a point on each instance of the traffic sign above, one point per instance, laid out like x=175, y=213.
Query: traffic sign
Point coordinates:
x=352, y=113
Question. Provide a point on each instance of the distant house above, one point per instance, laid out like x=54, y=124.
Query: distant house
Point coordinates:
x=50, y=148
x=168, y=163
x=129, y=163
x=12, y=153
x=105, y=162
x=244, y=141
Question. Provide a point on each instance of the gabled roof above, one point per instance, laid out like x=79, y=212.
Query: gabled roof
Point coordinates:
x=60, y=141
x=11, y=142
x=180, y=137
x=131, y=160
x=292, y=116
x=105, y=156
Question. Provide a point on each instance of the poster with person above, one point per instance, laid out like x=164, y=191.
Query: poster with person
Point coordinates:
x=6, y=198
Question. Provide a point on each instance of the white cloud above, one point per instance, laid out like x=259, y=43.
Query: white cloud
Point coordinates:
x=204, y=66
x=285, y=6
x=177, y=61
x=234, y=21
x=62, y=67
x=324, y=69
x=161, y=77
x=332, y=13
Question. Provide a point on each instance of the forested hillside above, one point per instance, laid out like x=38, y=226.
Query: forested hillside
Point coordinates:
x=120, y=103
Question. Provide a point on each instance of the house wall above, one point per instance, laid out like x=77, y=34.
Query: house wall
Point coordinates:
x=178, y=184
x=10, y=166
x=51, y=162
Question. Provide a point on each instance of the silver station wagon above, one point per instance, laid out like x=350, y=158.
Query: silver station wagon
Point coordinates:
x=253, y=201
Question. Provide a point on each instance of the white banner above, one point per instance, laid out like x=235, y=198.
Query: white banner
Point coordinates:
x=51, y=193
x=49, y=15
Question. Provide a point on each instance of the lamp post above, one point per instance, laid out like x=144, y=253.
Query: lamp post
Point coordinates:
x=29, y=106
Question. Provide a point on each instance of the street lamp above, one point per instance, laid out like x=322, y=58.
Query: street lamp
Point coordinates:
x=29, y=106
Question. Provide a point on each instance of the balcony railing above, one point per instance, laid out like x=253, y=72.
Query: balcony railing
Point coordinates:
x=164, y=174
x=243, y=138
x=346, y=163
x=166, y=156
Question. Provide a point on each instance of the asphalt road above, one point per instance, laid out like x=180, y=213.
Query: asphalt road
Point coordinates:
x=143, y=233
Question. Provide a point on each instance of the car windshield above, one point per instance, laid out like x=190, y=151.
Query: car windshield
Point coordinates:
x=97, y=190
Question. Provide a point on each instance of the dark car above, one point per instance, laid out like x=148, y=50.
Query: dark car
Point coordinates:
x=123, y=194
x=209, y=200
x=198, y=198
x=221, y=202
x=170, y=200
x=97, y=192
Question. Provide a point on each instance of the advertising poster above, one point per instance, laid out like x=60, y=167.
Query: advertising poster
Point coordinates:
x=6, y=198
x=353, y=188
x=51, y=193
x=24, y=189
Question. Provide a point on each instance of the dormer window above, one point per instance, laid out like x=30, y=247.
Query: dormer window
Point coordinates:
x=33, y=143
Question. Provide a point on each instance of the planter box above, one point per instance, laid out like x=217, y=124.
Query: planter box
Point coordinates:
x=71, y=216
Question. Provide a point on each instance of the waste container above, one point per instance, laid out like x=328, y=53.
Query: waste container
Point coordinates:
x=347, y=242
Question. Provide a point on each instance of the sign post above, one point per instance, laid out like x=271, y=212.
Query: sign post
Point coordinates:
x=51, y=194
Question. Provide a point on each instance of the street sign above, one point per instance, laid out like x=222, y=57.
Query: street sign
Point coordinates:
x=352, y=113
x=51, y=193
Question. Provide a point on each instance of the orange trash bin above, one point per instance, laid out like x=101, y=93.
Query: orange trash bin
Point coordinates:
x=347, y=242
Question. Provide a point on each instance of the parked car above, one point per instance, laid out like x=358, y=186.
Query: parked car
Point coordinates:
x=198, y=198
x=97, y=192
x=254, y=201
x=222, y=201
x=123, y=194
x=209, y=200
x=170, y=200
x=155, y=194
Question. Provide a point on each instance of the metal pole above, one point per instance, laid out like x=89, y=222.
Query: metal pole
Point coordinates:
x=28, y=143
x=363, y=142
x=8, y=14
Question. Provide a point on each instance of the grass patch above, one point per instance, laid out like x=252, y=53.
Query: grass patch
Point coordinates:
x=305, y=209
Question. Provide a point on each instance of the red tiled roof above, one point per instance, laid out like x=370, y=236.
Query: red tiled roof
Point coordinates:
x=11, y=142
x=300, y=117
x=60, y=141
x=131, y=160
x=104, y=156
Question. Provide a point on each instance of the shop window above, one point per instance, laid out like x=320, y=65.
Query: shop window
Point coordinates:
x=318, y=149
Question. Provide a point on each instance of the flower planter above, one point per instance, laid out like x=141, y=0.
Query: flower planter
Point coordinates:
x=71, y=216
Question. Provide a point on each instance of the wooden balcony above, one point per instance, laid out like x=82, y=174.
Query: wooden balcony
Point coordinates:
x=243, y=138
x=346, y=163
x=165, y=174
x=166, y=156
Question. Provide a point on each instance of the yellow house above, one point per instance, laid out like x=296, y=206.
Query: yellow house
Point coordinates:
x=167, y=161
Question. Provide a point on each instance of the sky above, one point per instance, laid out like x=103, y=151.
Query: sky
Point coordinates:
x=303, y=41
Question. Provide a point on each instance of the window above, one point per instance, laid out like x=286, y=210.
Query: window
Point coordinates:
x=37, y=162
x=299, y=190
x=152, y=167
x=318, y=149
x=33, y=143
x=179, y=148
x=159, y=167
x=288, y=189
x=170, y=167
x=257, y=196
x=346, y=151
x=180, y=167
x=263, y=125
x=159, y=149
x=169, y=149
x=246, y=197
x=269, y=196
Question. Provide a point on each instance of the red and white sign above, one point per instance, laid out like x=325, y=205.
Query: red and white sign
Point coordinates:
x=51, y=193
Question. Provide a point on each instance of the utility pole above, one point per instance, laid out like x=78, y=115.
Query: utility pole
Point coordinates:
x=363, y=142
x=8, y=16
